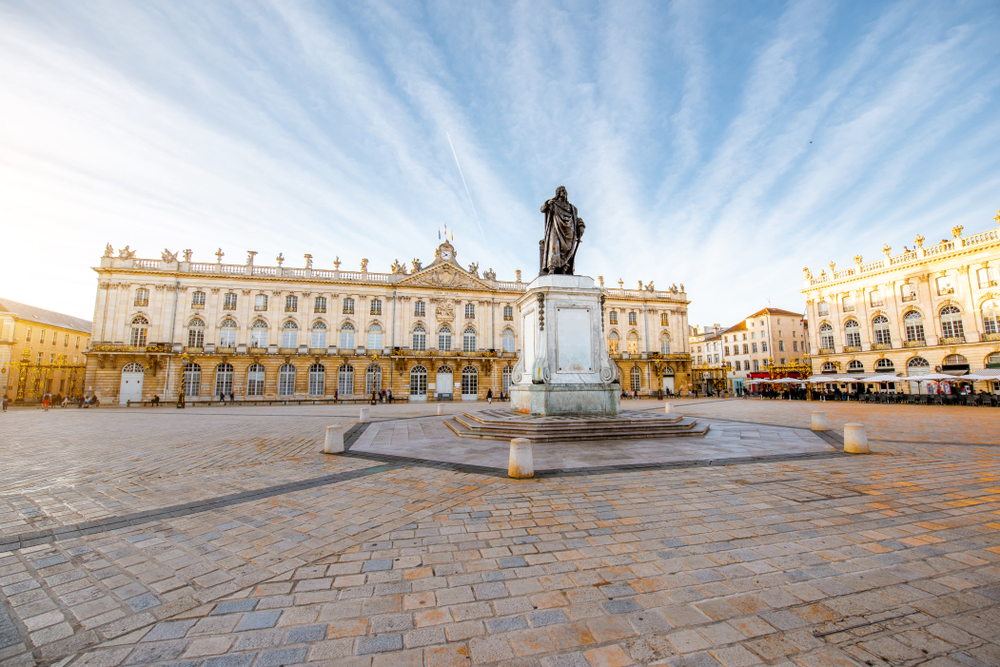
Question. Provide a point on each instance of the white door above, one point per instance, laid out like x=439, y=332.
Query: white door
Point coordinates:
x=668, y=382
x=131, y=388
x=444, y=383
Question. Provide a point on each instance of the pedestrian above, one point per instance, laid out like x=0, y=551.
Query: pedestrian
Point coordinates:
x=374, y=397
x=232, y=397
x=388, y=394
x=5, y=401
x=180, y=400
x=222, y=397
x=65, y=401
x=46, y=399
x=489, y=396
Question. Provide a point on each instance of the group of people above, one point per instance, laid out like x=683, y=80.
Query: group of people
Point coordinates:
x=384, y=396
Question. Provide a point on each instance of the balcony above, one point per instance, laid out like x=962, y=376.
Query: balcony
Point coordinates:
x=197, y=306
x=348, y=311
x=946, y=290
x=320, y=309
x=291, y=309
x=852, y=348
x=909, y=297
x=229, y=306
x=141, y=304
x=954, y=340
x=827, y=350
x=260, y=309
x=881, y=346
x=915, y=343
x=848, y=309
x=989, y=337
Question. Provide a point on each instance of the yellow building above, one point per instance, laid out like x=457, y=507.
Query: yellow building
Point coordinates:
x=930, y=308
x=41, y=352
x=435, y=332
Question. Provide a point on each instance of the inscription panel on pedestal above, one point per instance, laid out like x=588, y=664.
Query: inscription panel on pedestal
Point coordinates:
x=573, y=341
x=528, y=338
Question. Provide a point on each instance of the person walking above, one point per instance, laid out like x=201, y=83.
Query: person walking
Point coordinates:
x=180, y=400
x=388, y=394
x=489, y=396
x=222, y=397
x=46, y=399
x=5, y=402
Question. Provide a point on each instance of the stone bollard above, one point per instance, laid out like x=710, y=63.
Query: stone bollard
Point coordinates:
x=364, y=416
x=819, y=422
x=334, y=443
x=440, y=409
x=668, y=408
x=856, y=439
x=521, y=464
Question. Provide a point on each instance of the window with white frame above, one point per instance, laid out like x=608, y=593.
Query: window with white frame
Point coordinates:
x=137, y=335
x=258, y=334
x=913, y=323
x=664, y=319
x=508, y=313
x=825, y=336
x=664, y=343
x=419, y=309
x=444, y=339
x=855, y=367
x=141, y=297
x=196, y=333
x=823, y=308
x=223, y=380
x=470, y=381
x=376, y=307
x=418, y=381
x=632, y=318
x=345, y=380
x=635, y=375
x=613, y=317
x=951, y=322
x=375, y=337
x=289, y=335
x=291, y=304
x=945, y=285
x=613, y=341
x=507, y=341
x=192, y=379
x=348, y=306
x=347, y=331
x=852, y=334
x=373, y=379
x=317, y=380
x=419, y=338
x=507, y=375
x=318, y=335
x=469, y=340
x=255, y=380
x=848, y=304
x=470, y=311
x=260, y=302
x=991, y=317
x=319, y=306
x=633, y=343
x=229, y=301
x=198, y=299
x=987, y=277
x=286, y=380
x=876, y=299
x=881, y=331
x=227, y=333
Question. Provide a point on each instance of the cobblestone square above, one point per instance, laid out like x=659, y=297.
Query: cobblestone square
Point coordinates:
x=223, y=536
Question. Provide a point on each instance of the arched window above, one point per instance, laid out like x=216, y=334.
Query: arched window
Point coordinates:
x=955, y=360
x=223, y=379
x=255, y=380
x=880, y=327
x=885, y=366
x=289, y=335
x=345, y=380
x=613, y=342
x=828, y=367
x=258, y=334
x=470, y=381
x=318, y=335
x=852, y=334
x=373, y=379
x=375, y=337
x=227, y=333
x=991, y=318
x=317, y=380
x=469, y=340
x=636, y=376
x=444, y=338
x=507, y=341
x=192, y=379
x=196, y=333
x=286, y=380
x=855, y=367
x=419, y=338
x=825, y=336
x=664, y=343
x=347, y=336
x=133, y=368
x=137, y=337
x=951, y=322
x=633, y=343
x=913, y=322
x=418, y=381
x=507, y=372
x=917, y=363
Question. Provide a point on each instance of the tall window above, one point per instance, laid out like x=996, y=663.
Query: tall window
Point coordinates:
x=258, y=334
x=137, y=336
x=418, y=381
x=823, y=308
x=41, y=336
x=945, y=285
x=876, y=298
x=753, y=347
x=419, y=338
x=991, y=317
x=141, y=297
x=763, y=346
x=633, y=344
x=470, y=381
x=507, y=374
x=631, y=318
x=348, y=306
x=469, y=340
x=373, y=379
x=289, y=335
x=913, y=321
x=825, y=336
x=508, y=313
x=665, y=343
x=951, y=322
x=223, y=379
x=781, y=346
x=229, y=301
x=320, y=305
x=613, y=341
x=27, y=335
x=736, y=365
x=196, y=333
x=746, y=348
x=375, y=337
x=880, y=327
x=347, y=336
x=419, y=309
x=987, y=277
x=318, y=335
x=907, y=292
x=198, y=299
x=345, y=380
x=291, y=304
x=260, y=302
x=227, y=333
x=507, y=342
x=470, y=311
x=317, y=379
x=444, y=339
x=192, y=379
x=376, y=307
x=286, y=380
x=664, y=319
x=848, y=304
x=66, y=340
x=255, y=380
x=613, y=317
x=852, y=334
x=636, y=376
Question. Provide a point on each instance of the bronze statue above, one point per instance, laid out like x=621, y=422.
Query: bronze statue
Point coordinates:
x=563, y=230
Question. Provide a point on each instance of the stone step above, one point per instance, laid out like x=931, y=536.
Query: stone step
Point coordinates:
x=549, y=431
x=581, y=423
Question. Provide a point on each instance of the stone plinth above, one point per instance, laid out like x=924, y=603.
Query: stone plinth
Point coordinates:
x=564, y=367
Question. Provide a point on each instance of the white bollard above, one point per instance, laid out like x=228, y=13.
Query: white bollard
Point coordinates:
x=440, y=409
x=334, y=443
x=819, y=422
x=668, y=408
x=521, y=464
x=856, y=439
x=364, y=416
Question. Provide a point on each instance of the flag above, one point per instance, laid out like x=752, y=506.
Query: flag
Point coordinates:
x=453, y=236
x=439, y=233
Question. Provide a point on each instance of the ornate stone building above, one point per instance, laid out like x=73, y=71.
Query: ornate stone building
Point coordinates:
x=41, y=352
x=435, y=332
x=929, y=308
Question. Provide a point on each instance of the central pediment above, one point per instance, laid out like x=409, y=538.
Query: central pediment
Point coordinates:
x=445, y=274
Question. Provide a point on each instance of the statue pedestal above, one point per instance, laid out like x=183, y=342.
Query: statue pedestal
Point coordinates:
x=564, y=367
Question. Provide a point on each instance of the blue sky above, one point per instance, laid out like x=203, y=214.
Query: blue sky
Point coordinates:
x=723, y=145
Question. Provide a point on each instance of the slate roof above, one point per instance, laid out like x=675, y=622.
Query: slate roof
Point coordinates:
x=35, y=314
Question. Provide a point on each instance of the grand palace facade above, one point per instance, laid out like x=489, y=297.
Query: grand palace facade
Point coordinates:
x=435, y=332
